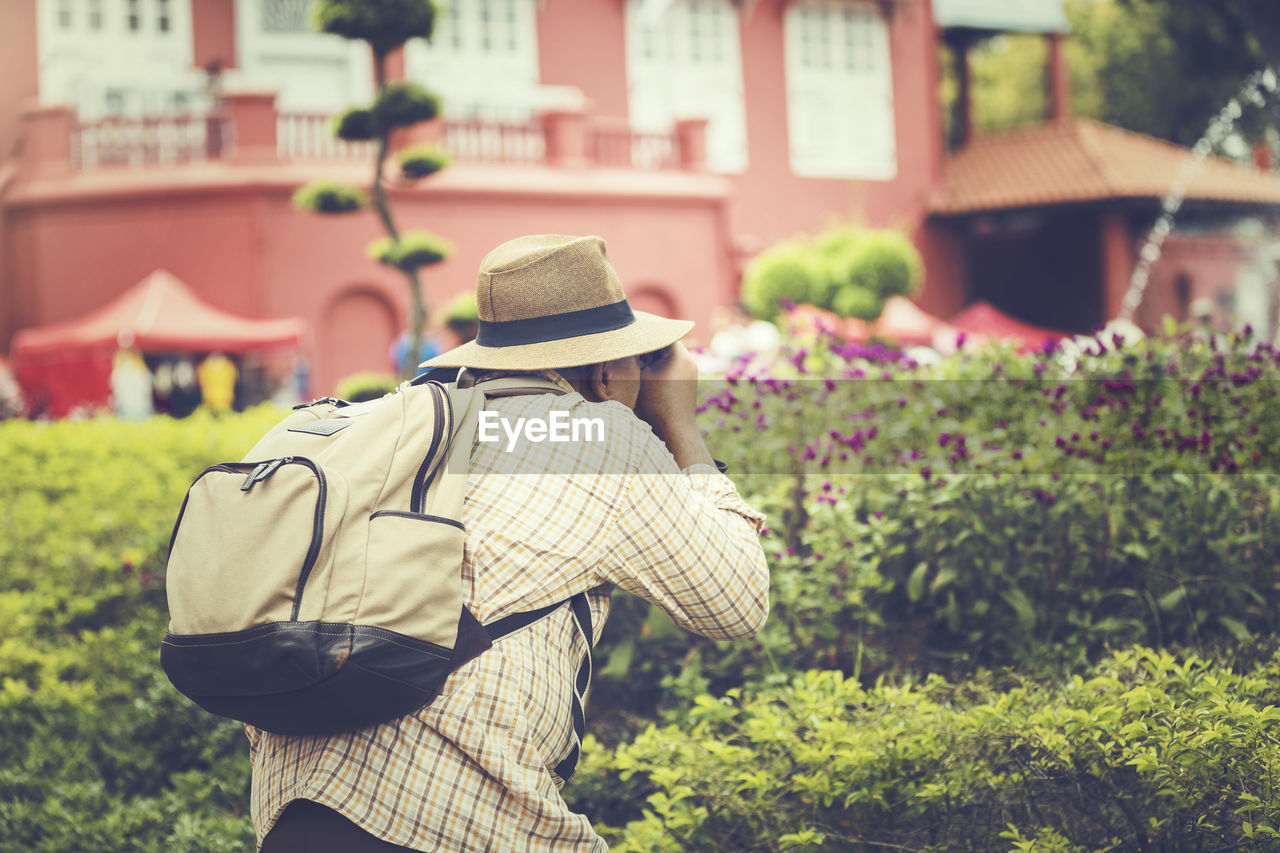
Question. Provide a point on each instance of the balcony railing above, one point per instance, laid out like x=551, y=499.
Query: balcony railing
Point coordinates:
x=618, y=145
x=306, y=136
x=247, y=129
x=476, y=141
x=148, y=141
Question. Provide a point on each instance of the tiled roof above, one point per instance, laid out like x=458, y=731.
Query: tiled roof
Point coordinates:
x=1086, y=160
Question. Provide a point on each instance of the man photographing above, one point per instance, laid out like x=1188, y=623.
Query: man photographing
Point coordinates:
x=646, y=510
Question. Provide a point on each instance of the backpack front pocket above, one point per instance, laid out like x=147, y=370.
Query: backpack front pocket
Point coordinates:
x=414, y=558
x=253, y=542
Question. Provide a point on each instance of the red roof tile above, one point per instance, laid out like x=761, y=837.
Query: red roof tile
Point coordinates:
x=1086, y=160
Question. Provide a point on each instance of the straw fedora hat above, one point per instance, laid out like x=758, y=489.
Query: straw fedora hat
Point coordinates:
x=551, y=300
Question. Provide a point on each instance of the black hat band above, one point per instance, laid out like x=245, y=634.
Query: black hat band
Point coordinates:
x=555, y=327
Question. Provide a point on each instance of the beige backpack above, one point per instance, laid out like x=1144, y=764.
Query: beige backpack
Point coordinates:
x=314, y=586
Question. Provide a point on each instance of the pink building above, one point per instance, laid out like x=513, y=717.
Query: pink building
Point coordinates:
x=170, y=134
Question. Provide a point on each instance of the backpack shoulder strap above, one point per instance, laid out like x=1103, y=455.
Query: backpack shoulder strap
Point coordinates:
x=447, y=485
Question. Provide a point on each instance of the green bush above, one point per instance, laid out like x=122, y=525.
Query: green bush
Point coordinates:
x=420, y=161
x=788, y=272
x=847, y=270
x=403, y=105
x=97, y=751
x=414, y=249
x=1146, y=752
x=354, y=125
x=386, y=24
x=369, y=385
x=329, y=197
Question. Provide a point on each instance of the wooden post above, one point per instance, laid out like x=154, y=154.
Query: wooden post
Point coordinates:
x=1058, y=81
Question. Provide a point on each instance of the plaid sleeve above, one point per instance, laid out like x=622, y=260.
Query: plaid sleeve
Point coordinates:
x=686, y=542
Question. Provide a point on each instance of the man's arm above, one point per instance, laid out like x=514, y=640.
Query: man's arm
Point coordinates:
x=684, y=540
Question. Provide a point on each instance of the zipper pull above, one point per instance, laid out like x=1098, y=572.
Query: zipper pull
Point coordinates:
x=262, y=472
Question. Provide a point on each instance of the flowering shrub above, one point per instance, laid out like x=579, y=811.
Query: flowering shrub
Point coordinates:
x=993, y=509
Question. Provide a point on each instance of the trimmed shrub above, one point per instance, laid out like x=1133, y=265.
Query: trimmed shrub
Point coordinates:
x=850, y=271
x=414, y=249
x=329, y=197
x=420, y=161
x=97, y=750
x=354, y=125
x=788, y=272
x=1147, y=751
x=403, y=105
x=386, y=24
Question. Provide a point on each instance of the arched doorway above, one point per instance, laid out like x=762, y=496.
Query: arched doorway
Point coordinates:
x=357, y=329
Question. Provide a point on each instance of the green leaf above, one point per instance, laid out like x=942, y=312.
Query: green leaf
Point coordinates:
x=1171, y=599
x=1237, y=628
x=915, y=583
x=1022, y=607
x=619, y=664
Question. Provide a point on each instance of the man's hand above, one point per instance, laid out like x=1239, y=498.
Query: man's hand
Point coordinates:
x=668, y=398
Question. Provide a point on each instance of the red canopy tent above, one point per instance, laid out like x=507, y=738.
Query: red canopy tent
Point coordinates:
x=984, y=320
x=67, y=365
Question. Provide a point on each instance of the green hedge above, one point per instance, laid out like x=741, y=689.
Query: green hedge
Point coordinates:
x=1148, y=751
x=882, y=575
x=97, y=751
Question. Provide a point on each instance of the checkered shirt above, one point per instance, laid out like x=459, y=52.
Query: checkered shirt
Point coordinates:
x=472, y=771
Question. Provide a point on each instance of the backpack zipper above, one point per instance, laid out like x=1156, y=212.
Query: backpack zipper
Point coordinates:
x=426, y=471
x=317, y=533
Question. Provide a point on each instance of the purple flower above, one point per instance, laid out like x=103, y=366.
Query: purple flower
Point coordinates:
x=944, y=439
x=926, y=473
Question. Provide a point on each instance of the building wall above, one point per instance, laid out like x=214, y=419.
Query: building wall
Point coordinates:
x=679, y=241
x=19, y=67
x=236, y=239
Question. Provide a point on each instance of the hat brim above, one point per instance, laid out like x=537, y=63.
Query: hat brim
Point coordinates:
x=648, y=333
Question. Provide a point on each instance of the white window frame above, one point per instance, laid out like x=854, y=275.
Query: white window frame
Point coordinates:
x=482, y=60
x=79, y=65
x=261, y=55
x=839, y=72
x=684, y=60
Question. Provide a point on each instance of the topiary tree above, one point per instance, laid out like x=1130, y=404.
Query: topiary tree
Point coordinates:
x=848, y=270
x=385, y=25
x=788, y=272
